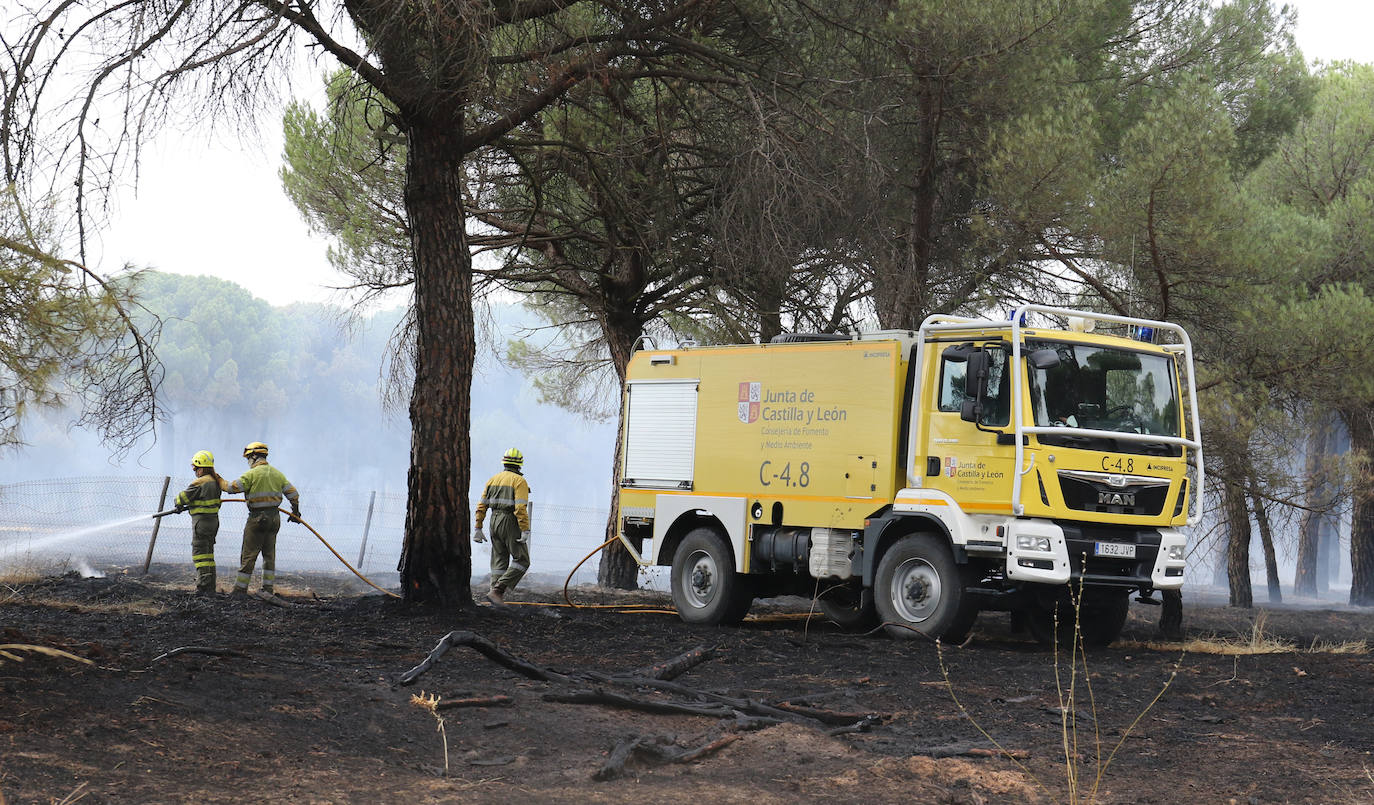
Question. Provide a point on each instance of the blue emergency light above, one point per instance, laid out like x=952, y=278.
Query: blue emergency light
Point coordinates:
x=1142, y=333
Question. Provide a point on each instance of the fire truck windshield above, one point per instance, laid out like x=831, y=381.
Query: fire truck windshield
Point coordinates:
x=1105, y=389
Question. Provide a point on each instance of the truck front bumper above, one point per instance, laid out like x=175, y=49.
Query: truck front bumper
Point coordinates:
x=1058, y=553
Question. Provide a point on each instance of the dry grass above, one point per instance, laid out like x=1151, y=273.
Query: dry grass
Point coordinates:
x=1256, y=642
x=14, y=653
x=431, y=703
x=13, y=575
x=149, y=608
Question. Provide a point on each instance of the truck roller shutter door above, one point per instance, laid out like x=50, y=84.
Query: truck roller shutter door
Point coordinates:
x=661, y=434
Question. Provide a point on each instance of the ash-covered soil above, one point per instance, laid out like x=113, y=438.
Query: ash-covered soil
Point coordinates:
x=303, y=703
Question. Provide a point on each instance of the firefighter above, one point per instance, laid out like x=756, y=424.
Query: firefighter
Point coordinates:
x=508, y=496
x=263, y=487
x=201, y=498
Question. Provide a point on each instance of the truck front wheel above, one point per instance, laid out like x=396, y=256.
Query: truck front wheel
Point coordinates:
x=706, y=588
x=918, y=588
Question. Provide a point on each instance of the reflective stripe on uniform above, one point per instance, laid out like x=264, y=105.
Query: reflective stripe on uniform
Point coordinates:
x=204, y=559
x=507, y=492
x=201, y=497
x=263, y=487
x=507, y=502
x=517, y=566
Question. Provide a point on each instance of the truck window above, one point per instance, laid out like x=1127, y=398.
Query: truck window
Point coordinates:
x=997, y=397
x=952, y=386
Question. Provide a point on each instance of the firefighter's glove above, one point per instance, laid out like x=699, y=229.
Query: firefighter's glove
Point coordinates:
x=179, y=508
x=478, y=535
x=525, y=537
x=295, y=516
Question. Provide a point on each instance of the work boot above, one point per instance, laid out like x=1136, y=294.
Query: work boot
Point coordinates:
x=239, y=593
x=205, y=592
x=495, y=597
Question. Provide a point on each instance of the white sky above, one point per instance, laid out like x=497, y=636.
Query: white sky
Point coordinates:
x=218, y=208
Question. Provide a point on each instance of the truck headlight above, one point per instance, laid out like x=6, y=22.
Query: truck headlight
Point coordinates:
x=1026, y=542
x=1176, y=553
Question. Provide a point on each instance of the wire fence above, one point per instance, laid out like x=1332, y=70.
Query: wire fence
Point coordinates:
x=95, y=524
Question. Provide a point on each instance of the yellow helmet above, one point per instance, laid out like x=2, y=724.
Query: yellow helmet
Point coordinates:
x=513, y=456
x=203, y=459
x=255, y=448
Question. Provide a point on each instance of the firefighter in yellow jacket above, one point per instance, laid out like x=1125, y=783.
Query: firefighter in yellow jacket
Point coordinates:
x=263, y=487
x=507, y=496
x=201, y=498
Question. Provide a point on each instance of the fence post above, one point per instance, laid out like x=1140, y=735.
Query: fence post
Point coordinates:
x=367, y=526
x=157, y=523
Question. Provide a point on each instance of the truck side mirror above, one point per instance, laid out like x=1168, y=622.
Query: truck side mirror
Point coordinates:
x=975, y=383
x=1043, y=358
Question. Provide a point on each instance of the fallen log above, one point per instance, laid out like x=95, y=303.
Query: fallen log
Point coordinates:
x=710, y=748
x=215, y=652
x=677, y=666
x=599, y=696
x=862, y=725
x=475, y=701
x=744, y=705
x=824, y=716
x=620, y=755
x=656, y=749
x=484, y=647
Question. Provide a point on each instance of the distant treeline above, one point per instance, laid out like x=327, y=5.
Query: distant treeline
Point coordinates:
x=307, y=379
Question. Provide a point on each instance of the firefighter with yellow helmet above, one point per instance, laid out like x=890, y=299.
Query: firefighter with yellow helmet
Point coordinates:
x=263, y=487
x=507, y=496
x=201, y=498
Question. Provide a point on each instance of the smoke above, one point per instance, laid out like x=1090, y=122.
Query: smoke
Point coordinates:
x=87, y=572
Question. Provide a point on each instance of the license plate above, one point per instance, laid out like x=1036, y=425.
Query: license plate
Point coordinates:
x=1119, y=550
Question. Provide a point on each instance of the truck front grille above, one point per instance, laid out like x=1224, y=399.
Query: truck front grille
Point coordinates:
x=1093, y=496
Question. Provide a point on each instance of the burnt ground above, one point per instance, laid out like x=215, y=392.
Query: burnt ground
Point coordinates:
x=303, y=704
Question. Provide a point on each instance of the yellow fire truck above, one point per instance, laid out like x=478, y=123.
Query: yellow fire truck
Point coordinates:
x=918, y=478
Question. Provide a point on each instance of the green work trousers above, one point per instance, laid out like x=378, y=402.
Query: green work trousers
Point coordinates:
x=204, y=528
x=259, y=536
x=510, y=557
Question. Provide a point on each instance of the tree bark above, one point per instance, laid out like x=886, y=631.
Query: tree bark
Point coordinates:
x=1271, y=565
x=1238, y=545
x=617, y=568
x=1309, y=544
x=436, y=563
x=1360, y=424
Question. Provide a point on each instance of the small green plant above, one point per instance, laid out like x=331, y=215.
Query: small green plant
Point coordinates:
x=431, y=703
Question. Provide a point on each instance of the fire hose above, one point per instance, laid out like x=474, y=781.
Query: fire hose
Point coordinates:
x=627, y=609
x=312, y=531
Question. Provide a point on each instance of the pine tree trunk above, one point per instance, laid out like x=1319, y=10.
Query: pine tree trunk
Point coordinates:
x=436, y=563
x=1238, y=545
x=1271, y=564
x=1309, y=544
x=1361, y=428
x=618, y=569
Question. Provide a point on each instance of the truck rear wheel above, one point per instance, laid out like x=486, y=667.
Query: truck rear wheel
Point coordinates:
x=844, y=604
x=919, y=590
x=706, y=588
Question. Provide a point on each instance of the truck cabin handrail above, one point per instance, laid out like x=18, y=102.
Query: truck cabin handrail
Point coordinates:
x=1016, y=324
